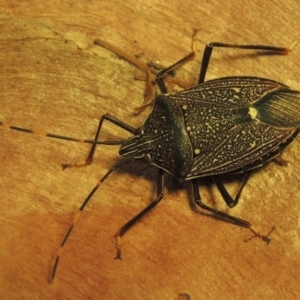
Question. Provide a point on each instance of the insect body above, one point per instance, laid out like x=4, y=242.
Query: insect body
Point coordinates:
x=222, y=126
x=217, y=127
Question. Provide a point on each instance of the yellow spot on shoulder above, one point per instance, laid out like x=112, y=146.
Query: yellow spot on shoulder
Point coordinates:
x=252, y=112
x=236, y=89
x=197, y=151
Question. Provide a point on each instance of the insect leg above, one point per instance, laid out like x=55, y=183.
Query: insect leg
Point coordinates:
x=129, y=224
x=160, y=74
x=234, y=220
x=231, y=202
x=151, y=72
x=190, y=56
x=209, y=48
x=77, y=216
x=111, y=119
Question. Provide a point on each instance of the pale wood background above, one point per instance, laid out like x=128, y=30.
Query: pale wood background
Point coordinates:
x=54, y=79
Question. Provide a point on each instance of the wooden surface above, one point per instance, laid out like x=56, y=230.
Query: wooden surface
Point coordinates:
x=54, y=79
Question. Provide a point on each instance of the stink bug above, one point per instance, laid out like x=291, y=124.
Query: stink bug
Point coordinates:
x=222, y=126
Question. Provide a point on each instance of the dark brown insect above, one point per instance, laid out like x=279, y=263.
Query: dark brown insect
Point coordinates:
x=221, y=126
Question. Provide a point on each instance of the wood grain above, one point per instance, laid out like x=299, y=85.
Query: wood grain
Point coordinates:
x=53, y=78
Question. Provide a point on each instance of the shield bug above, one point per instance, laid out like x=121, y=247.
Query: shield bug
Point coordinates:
x=223, y=126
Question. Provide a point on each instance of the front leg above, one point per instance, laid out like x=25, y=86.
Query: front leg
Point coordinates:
x=90, y=157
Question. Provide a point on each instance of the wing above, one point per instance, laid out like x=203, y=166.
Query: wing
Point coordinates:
x=243, y=145
x=237, y=121
x=228, y=92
